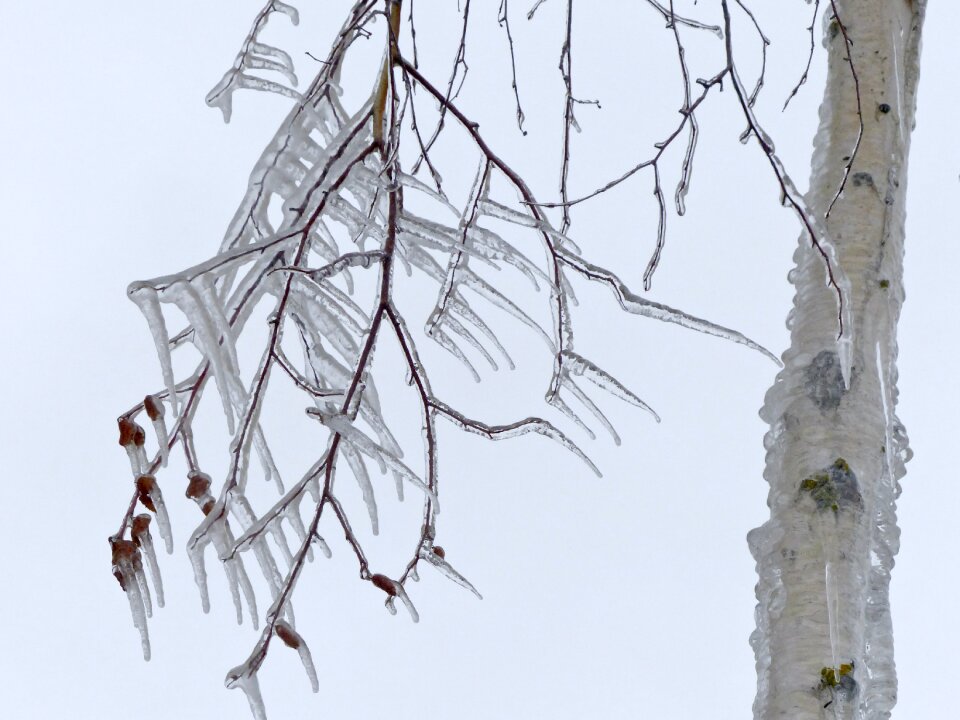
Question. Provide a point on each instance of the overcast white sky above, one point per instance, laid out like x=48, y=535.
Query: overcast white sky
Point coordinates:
x=628, y=596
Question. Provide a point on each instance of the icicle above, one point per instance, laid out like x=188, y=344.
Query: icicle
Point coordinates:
x=633, y=303
x=146, y=298
x=154, y=410
x=200, y=573
x=324, y=548
x=241, y=677
x=363, y=481
x=394, y=590
x=437, y=558
x=585, y=400
x=186, y=297
x=402, y=594
x=340, y=424
x=140, y=532
x=141, y=579
x=207, y=292
x=292, y=639
x=125, y=553
x=581, y=366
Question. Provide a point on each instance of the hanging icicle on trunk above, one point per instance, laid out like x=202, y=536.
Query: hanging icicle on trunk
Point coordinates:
x=835, y=449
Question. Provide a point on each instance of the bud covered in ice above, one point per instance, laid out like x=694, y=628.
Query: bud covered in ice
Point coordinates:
x=153, y=407
x=384, y=583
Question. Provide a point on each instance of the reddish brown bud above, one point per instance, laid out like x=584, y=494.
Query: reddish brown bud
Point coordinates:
x=145, y=485
x=384, y=583
x=153, y=407
x=139, y=436
x=208, y=506
x=439, y=552
x=198, y=485
x=122, y=550
x=139, y=526
x=289, y=638
x=128, y=429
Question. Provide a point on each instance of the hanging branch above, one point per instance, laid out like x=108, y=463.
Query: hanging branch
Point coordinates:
x=338, y=175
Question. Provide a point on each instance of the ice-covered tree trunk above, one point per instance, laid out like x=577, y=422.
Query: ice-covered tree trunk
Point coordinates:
x=835, y=449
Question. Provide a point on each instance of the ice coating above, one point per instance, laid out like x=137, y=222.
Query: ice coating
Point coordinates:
x=241, y=677
x=835, y=448
x=291, y=638
x=437, y=559
x=145, y=297
x=128, y=570
x=255, y=55
x=140, y=532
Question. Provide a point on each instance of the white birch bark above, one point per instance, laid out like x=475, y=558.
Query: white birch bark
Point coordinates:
x=835, y=453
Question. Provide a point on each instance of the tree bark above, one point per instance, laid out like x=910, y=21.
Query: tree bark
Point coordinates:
x=835, y=448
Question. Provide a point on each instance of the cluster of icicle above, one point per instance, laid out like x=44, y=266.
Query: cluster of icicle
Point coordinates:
x=325, y=169
x=836, y=450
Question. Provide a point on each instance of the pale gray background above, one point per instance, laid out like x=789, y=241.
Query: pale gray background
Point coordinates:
x=630, y=596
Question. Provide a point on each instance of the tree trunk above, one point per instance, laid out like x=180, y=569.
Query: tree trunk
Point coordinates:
x=835, y=449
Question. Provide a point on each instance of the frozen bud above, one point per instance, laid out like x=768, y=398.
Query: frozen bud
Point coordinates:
x=123, y=553
x=153, y=407
x=140, y=532
x=198, y=485
x=384, y=583
x=207, y=507
x=139, y=527
x=292, y=639
x=148, y=492
x=146, y=487
x=139, y=436
x=439, y=551
x=128, y=429
x=287, y=634
x=154, y=410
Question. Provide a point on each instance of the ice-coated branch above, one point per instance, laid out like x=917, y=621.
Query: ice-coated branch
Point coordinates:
x=309, y=266
x=256, y=55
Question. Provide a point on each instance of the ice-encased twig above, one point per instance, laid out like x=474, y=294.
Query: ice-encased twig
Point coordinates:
x=256, y=55
x=441, y=564
x=241, y=677
x=635, y=304
x=535, y=425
